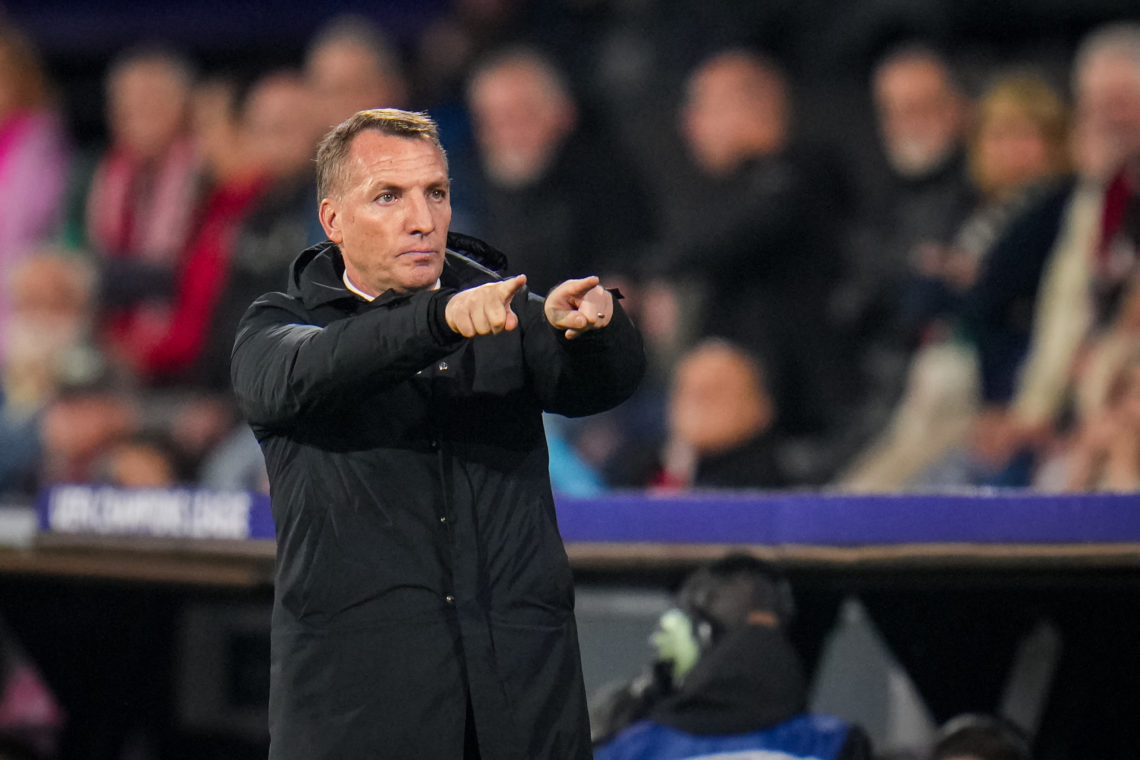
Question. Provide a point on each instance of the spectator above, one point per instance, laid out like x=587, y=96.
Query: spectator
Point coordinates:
x=47, y=344
x=1103, y=452
x=351, y=65
x=138, y=207
x=923, y=117
x=761, y=234
x=281, y=223
x=556, y=201
x=1017, y=153
x=726, y=680
x=172, y=352
x=1017, y=149
x=143, y=460
x=980, y=737
x=33, y=154
x=52, y=296
x=560, y=201
x=1106, y=455
x=1076, y=292
x=214, y=446
x=923, y=114
x=80, y=425
x=197, y=424
x=720, y=419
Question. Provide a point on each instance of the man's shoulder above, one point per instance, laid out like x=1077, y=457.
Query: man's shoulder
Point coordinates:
x=275, y=307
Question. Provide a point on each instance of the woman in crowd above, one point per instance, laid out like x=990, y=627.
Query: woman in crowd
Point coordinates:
x=33, y=154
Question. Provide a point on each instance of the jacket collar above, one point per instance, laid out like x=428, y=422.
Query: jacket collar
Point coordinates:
x=316, y=275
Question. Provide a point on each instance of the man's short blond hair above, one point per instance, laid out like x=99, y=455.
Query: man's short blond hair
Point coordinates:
x=332, y=153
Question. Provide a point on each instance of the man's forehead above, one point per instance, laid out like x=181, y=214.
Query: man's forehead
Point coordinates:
x=1112, y=69
x=374, y=155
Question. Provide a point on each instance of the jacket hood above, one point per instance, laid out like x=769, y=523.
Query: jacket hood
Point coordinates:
x=316, y=275
x=750, y=680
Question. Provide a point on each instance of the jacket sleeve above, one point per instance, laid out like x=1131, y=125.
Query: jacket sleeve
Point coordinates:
x=284, y=368
x=592, y=373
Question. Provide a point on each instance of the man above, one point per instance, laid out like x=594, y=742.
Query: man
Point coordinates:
x=922, y=119
x=922, y=113
x=424, y=604
x=142, y=196
x=280, y=224
x=237, y=163
x=46, y=338
x=550, y=192
x=143, y=192
x=761, y=224
x=352, y=65
x=720, y=417
x=727, y=681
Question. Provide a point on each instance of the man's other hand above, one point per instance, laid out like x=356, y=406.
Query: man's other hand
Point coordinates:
x=484, y=310
x=578, y=306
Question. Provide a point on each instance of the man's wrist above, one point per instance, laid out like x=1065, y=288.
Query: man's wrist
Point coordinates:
x=440, y=329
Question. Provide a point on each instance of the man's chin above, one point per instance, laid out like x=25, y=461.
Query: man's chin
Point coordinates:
x=421, y=278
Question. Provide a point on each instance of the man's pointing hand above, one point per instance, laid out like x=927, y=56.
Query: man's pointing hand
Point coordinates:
x=578, y=306
x=484, y=310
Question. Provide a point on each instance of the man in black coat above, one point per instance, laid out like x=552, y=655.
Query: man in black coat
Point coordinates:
x=424, y=603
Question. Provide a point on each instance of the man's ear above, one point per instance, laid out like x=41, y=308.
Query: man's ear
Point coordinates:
x=330, y=220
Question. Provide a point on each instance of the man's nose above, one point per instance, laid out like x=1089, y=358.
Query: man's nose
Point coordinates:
x=419, y=220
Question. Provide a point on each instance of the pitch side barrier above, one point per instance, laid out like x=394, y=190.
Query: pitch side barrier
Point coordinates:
x=795, y=519
x=802, y=527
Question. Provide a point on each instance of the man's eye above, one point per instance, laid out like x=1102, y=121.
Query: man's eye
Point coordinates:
x=386, y=198
x=438, y=194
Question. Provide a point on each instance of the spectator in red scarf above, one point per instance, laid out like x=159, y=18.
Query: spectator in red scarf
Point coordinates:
x=236, y=171
x=142, y=193
x=137, y=211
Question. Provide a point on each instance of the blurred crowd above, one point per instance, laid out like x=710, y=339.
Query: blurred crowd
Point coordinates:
x=971, y=319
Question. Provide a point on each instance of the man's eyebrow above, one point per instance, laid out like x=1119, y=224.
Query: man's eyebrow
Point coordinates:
x=382, y=186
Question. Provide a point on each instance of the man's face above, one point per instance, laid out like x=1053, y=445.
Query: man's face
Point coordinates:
x=710, y=118
x=391, y=217
x=1108, y=114
x=732, y=111
x=520, y=123
x=147, y=107
x=716, y=402
x=282, y=142
x=920, y=116
x=347, y=78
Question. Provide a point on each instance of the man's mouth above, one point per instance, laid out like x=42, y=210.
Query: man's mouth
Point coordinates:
x=417, y=256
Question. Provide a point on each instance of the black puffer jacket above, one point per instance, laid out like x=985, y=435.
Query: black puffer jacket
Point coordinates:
x=419, y=563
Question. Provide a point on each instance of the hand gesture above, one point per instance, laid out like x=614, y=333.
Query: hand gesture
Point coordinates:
x=579, y=306
x=484, y=310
